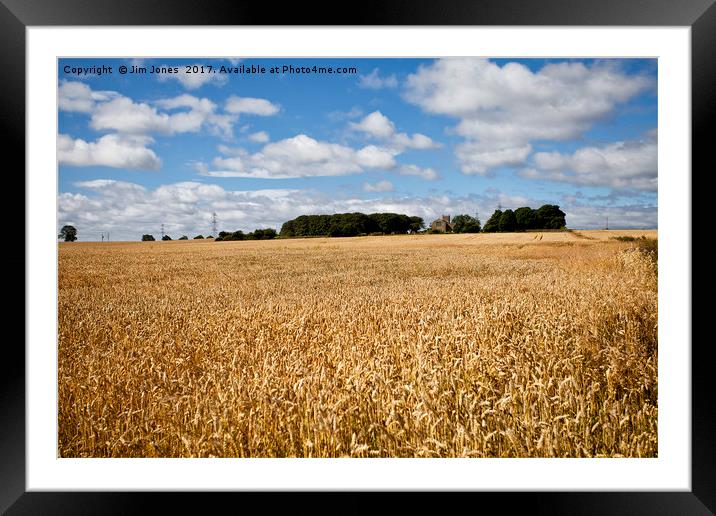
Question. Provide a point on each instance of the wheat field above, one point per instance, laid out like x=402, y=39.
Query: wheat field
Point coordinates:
x=486, y=345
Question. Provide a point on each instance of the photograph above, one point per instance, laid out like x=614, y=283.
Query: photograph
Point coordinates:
x=354, y=257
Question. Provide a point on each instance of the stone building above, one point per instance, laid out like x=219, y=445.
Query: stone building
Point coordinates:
x=442, y=224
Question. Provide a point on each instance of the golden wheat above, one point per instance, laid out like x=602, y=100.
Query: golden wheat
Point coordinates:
x=524, y=345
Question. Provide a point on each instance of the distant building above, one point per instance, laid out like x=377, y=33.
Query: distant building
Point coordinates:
x=442, y=224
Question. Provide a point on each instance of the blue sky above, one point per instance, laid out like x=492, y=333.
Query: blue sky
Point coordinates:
x=418, y=136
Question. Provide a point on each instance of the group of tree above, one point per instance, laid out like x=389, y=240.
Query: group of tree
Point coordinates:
x=465, y=224
x=547, y=216
x=256, y=234
x=150, y=238
x=350, y=224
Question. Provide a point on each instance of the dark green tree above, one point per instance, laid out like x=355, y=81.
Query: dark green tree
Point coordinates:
x=349, y=224
x=147, y=238
x=68, y=233
x=257, y=234
x=416, y=224
x=466, y=224
x=166, y=237
x=199, y=237
x=263, y=234
x=228, y=236
x=389, y=223
x=526, y=218
x=288, y=230
x=549, y=216
x=493, y=223
x=508, y=222
x=183, y=237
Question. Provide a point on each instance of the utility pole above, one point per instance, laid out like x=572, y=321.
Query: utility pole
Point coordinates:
x=214, y=224
x=607, y=222
x=162, y=231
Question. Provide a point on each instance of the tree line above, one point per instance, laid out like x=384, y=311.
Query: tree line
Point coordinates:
x=547, y=216
x=150, y=238
x=257, y=234
x=350, y=224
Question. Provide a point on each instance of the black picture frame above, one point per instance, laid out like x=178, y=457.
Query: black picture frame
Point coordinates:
x=16, y=15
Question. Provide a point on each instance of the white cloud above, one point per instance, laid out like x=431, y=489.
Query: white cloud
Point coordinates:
x=413, y=170
x=124, y=115
x=478, y=157
x=192, y=81
x=375, y=157
x=377, y=125
x=110, y=111
x=380, y=186
x=299, y=156
x=189, y=192
x=374, y=81
x=259, y=137
x=502, y=109
x=250, y=105
x=416, y=141
x=620, y=165
x=303, y=156
x=77, y=96
x=465, y=87
x=101, y=183
x=111, y=150
x=302, y=149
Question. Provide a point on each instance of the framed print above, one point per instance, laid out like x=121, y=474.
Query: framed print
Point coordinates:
x=416, y=250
